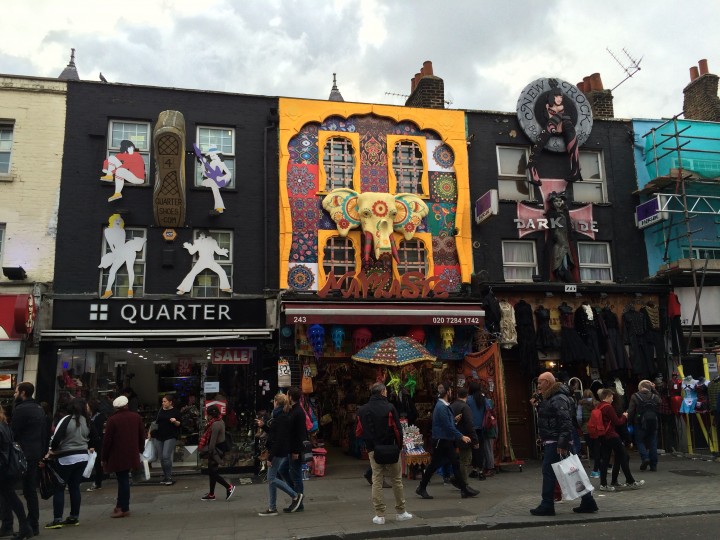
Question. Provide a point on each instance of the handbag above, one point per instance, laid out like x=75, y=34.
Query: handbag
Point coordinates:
x=49, y=480
x=149, y=454
x=386, y=454
x=571, y=476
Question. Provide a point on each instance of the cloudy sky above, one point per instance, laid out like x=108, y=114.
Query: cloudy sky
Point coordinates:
x=485, y=50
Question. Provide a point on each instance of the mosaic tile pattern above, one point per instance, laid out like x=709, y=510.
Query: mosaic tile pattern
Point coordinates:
x=303, y=277
x=303, y=148
x=441, y=219
x=337, y=123
x=452, y=276
x=445, y=251
x=302, y=180
x=304, y=247
x=443, y=187
x=306, y=214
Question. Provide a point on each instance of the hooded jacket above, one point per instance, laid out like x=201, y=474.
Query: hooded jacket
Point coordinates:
x=374, y=423
x=635, y=406
x=29, y=425
x=555, y=411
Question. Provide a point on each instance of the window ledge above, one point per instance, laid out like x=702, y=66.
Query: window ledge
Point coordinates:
x=7, y=177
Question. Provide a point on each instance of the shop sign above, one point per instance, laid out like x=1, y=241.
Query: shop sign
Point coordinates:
x=212, y=387
x=648, y=213
x=486, y=206
x=530, y=220
x=222, y=405
x=17, y=315
x=384, y=285
x=232, y=355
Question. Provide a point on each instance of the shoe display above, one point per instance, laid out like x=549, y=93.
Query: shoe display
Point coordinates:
x=208, y=497
x=296, y=502
x=379, y=520
x=169, y=151
x=607, y=488
x=540, y=511
x=268, y=512
x=404, y=516
x=595, y=474
x=637, y=484
x=230, y=492
x=423, y=493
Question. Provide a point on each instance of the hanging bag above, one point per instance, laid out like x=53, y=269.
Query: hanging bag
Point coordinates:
x=149, y=454
x=571, y=476
x=49, y=479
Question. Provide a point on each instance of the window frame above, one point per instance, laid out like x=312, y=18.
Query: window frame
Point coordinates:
x=323, y=237
x=696, y=252
x=507, y=178
x=507, y=264
x=9, y=127
x=423, y=187
x=323, y=137
x=119, y=291
x=146, y=154
x=591, y=266
x=224, y=263
x=602, y=181
x=226, y=156
x=426, y=239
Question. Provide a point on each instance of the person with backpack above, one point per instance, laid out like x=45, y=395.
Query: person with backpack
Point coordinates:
x=602, y=423
x=8, y=479
x=643, y=409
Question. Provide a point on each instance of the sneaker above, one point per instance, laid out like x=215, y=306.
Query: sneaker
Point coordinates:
x=114, y=197
x=379, y=520
x=595, y=474
x=207, y=497
x=617, y=485
x=168, y=482
x=296, y=502
x=607, y=488
x=268, y=512
x=230, y=492
x=70, y=521
x=404, y=516
x=636, y=485
x=169, y=189
x=93, y=488
x=55, y=524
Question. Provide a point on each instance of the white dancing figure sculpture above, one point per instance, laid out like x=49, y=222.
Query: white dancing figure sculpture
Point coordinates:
x=215, y=174
x=127, y=166
x=121, y=252
x=206, y=247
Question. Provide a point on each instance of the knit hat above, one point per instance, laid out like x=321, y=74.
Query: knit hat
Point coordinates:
x=120, y=402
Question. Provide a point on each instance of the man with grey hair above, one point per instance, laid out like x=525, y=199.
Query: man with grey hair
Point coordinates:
x=643, y=413
x=379, y=426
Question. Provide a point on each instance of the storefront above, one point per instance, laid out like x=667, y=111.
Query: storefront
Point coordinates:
x=202, y=352
x=17, y=320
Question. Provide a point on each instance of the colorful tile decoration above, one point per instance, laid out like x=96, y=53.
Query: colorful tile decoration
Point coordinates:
x=441, y=219
x=303, y=148
x=451, y=275
x=445, y=251
x=337, y=123
x=304, y=247
x=443, y=186
x=440, y=156
x=303, y=277
x=406, y=128
x=302, y=180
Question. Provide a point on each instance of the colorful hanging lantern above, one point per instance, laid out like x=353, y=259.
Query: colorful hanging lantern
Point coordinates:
x=337, y=334
x=361, y=338
x=316, y=337
x=417, y=333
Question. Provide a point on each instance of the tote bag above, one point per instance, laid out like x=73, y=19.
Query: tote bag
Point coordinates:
x=573, y=479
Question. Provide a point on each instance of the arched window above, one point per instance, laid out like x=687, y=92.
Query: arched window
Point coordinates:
x=407, y=165
x=339, y=163
x=413, y=257
x=338, y=256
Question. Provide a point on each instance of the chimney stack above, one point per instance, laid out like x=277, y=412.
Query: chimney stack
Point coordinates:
x=600, y=100
x=701, y=100
x=426, y=90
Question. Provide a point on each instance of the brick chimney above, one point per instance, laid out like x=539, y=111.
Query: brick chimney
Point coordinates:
x=426, y=90
x=701, y=95
x=601, y=100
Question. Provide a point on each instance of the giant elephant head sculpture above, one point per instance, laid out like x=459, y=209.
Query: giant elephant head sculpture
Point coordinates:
x=379, y=214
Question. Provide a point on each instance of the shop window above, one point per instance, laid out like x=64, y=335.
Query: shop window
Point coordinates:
x=512, y=179
x=6, y=142
x=338, y=163
x=413, y=257
x=702, y=253
x=223, y=140
x=594, y=261
x=207, y=282
x=339, y=256
x=121, y=282
x=519, y=260
x=592, y=189
x=137, y=133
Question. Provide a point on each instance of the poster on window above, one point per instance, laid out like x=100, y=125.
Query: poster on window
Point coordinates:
x=284, y=377
x=184, y=366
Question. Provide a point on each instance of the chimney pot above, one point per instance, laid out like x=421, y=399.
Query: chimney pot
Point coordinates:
x=703, y=66
x=587, y=84
x=418, y=76
x=412, y=85
x=596, y=81
x=581, y=86
x=694, y=74
x=427, y=67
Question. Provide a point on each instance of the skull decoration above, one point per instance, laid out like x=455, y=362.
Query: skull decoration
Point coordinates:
x=447, y=334
x=361, y=338
x=337, y=333
x=417, y=333
x=316, y=336
x=378, y=214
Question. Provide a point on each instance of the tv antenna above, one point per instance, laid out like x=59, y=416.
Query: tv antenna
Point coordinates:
x=630, y=69
x=446, y=101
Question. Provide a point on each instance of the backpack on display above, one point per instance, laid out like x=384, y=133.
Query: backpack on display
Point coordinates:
x=596, y=427
x=646, y=416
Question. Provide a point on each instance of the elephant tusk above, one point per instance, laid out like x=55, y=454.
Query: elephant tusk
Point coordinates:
x=394, y=250
x=367, y=247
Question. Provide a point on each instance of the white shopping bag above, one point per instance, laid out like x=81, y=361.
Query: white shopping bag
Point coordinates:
x=146, y=467
x=149, y=455
x=92, y=456
x=571, y=476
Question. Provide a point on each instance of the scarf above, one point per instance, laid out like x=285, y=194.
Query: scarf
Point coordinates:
x=205, y=439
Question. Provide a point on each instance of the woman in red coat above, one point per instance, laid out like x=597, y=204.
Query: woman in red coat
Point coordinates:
x=124, y=441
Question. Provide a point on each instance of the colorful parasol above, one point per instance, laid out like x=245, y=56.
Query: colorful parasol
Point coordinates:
x=394, y=351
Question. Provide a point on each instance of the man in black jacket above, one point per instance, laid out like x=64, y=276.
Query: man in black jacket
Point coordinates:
x=292, y=472
x=379, y=424
x=555, y=408
x=464, y=421
x=30, y=432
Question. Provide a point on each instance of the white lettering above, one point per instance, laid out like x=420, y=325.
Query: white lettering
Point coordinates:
x=555, y=223
x=224, y=313
x=194, y=308
x=179, y=312
x=146, y=316
x=133, y=313
x=163, y=313
x=519, y=223
x=542, y=223
x=209, y=312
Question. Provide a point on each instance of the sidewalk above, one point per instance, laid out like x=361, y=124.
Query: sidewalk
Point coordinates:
x=338, y=505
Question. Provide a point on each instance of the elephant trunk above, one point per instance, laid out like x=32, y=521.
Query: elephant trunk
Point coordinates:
x=367, y=247
x=394, y=250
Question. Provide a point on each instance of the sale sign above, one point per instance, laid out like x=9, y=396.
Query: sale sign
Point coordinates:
x=222, y=405
x=232, y=355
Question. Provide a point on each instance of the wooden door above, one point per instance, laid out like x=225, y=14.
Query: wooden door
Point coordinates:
x=521, y=421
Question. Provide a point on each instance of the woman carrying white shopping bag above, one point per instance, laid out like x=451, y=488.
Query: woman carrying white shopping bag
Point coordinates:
x=555, y=409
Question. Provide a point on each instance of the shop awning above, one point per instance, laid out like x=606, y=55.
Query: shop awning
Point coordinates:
x=432, y=313
x=146, y=334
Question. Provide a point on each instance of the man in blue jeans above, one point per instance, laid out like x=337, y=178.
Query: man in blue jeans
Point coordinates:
x=643, y=413
x=291, y=470
x=555, y=408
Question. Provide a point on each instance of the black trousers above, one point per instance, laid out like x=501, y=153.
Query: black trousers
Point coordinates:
x=621, y=461
x=443, y=453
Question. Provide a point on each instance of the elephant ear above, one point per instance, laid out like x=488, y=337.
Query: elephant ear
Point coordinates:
x=410, y=211
x=341, y=204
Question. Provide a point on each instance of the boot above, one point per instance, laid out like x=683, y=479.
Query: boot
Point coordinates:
x=587, y=506
x=468, y=492
x=422, y=491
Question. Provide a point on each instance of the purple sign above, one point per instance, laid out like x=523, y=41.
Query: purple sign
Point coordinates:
x=486, y=206
x=648, y=213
